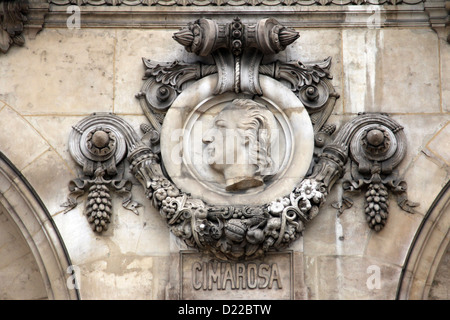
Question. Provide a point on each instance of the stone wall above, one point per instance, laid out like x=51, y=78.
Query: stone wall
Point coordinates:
x=64, y=75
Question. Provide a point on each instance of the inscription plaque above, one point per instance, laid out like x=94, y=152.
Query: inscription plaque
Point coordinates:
x=205, y=277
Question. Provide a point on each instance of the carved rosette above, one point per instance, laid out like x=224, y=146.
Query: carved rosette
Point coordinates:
x=374, y=143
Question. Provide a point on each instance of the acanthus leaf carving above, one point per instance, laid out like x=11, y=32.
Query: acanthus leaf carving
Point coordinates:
x=176, y=73
x=300, y=74
x=308, y=80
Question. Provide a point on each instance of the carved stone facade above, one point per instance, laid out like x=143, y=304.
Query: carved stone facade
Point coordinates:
x=218, y=202
x=232, y=153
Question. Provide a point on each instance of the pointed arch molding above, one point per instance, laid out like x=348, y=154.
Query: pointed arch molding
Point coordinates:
x=427, y=250
x=23, y=206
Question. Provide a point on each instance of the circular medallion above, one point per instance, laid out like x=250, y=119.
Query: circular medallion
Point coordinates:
x=96, y=140
x=375, y=142
x=100, y=144
x=233, y=149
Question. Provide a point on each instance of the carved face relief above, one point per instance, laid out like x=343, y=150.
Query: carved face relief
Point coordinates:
x=236, y=148
x=238, y=145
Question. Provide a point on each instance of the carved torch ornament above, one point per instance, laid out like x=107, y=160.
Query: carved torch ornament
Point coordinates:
x=374, y=143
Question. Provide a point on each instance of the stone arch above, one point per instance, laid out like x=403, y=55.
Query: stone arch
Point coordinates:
x=427, y=250
x=30, y=223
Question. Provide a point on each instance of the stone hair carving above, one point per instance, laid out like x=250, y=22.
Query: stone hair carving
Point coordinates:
x=374, y=143
x=12, y=18
x=251, y=155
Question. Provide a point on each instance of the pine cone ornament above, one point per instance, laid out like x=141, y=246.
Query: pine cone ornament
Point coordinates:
x=377, y=206
x=98, y=207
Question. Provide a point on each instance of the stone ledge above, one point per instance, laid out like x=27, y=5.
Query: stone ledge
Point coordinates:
x=231, y=2
x=332, y=16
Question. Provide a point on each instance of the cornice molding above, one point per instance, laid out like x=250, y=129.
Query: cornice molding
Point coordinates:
x=232, y=2
x=37, y=11
x=313, y=16
x=439, y=13
x=163, y=14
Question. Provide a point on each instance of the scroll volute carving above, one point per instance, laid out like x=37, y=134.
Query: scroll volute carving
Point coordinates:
x=12, y=18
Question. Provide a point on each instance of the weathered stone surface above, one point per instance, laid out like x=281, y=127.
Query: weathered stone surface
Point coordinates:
x=63, y=75
x=124, y=277
x=316, y=45
x=19, y=273
x=381, y=72
x=445, y=75
x=441, y=283
x=440, y=144
x=392, y=243
x=84, y=246
x=55, y=130
x=131, y=47
x=331, y=233
x=11, y=246
x=41, y=174
x=419, y=139
x=61, y=59
x=19, y=141
x=425, y=180
x=145, y=234
x=350, y=277
x=437, y=241
x=21, y=280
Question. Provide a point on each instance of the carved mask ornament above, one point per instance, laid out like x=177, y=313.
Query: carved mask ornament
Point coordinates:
x=238, y=156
